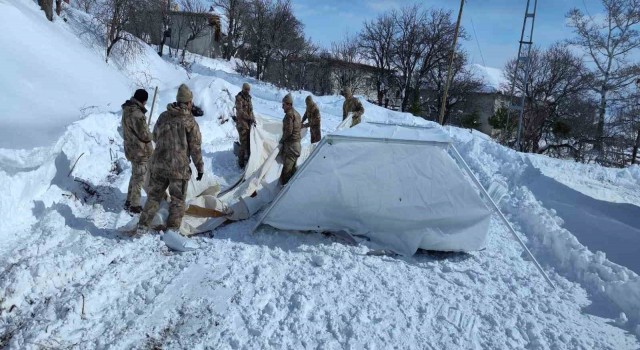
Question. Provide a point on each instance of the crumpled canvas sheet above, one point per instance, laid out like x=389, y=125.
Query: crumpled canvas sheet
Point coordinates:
x=208, y=208
x=258, y=187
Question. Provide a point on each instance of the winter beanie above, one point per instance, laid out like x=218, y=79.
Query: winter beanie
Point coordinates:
x=184, y=94
x=308, y=99
x=246, y=86
x=141, y=95
x=288, y=99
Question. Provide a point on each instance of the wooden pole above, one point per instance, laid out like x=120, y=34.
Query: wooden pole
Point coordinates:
x=155, y=93
x=453, y=54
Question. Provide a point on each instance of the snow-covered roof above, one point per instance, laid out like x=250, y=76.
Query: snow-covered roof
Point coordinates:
x=494, y=79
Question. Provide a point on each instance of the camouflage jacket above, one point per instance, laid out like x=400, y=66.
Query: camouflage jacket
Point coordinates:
x=352, y=104
x=177, y=137
x=313, y=115
x=244, y=111
x=291, y=125
x=137, y=138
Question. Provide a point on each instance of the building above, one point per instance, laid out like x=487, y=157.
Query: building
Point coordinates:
x=484, y=105
x=202, y=30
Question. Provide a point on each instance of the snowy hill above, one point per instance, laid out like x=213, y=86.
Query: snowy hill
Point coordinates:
x=69, y=280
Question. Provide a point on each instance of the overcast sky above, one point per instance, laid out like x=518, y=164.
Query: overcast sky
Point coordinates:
x=497, y=23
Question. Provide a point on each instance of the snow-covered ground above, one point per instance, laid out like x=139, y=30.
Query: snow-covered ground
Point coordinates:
x=67, y=279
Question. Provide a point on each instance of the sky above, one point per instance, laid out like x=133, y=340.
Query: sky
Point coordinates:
x=493, y=26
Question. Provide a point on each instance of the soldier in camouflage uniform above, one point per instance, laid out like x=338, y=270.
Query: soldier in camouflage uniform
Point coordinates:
x=351, y=104
x=137, y=146
x=245, y=119
x=178, y=139
x=313, y=115
x=290, y=141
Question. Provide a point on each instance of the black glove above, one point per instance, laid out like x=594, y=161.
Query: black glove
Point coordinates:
x=197, y=111
x=199, y=176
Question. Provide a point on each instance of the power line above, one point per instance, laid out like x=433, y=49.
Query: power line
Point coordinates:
x=477, y=42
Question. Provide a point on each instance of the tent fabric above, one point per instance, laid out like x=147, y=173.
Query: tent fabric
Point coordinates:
x=402, y=195
x=392, y=132
x=258, y=187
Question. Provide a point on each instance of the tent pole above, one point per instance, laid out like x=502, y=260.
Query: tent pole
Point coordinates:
x=501, y=215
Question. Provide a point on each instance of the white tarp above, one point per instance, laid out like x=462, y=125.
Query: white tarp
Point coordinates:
x=396, y=185
x=259, y=186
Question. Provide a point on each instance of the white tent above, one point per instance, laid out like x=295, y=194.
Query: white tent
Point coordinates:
x=396, y=185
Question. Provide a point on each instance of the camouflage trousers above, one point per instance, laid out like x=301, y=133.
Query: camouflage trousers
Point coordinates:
x=245, y=149
x=316, y=134
x=136, y=182
x=157, y=187
x=355, y=120
x=289, y=168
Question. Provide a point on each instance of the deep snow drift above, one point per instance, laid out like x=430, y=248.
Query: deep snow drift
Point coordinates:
x=67, y=279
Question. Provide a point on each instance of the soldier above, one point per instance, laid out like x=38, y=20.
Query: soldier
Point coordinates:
x=137, y=146
x=245, y=119
x=290, y=142
x=351, y=104
x=313, y=115
x=177, y=137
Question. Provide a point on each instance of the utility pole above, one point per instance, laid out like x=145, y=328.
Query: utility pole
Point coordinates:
x=524, y=53
x=453, y=54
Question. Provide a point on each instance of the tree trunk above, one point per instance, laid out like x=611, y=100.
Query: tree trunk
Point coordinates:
x=47, y=7
x=58, y=7
x=634, y=154
x=226, y=53
x=599, y=146
x=184, y=49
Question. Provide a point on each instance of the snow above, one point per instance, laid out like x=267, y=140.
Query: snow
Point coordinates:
x=69, y=280
x=48, y=64
x=493, y=78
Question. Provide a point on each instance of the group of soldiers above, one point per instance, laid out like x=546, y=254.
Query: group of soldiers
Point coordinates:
x=178, y=142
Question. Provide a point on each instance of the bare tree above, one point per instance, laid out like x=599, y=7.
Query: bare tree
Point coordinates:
x=195, y=20
x=86, y=5
x=271, y=25
x=258, y=34
x=625, y=128
x=115, y=15
x=376, y=44
x=233, y=10
x=345, y=59
x=557, y=100
x=164, y=14
x=409, y=46
x=439, y=33
x=462, y=87
x=609, y=43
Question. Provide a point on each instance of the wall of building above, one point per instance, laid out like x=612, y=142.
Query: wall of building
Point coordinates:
x=485, y=105
x=205, y=45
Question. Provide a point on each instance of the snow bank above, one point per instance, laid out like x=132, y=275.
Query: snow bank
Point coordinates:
x=550, y=242
x=49, y=78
